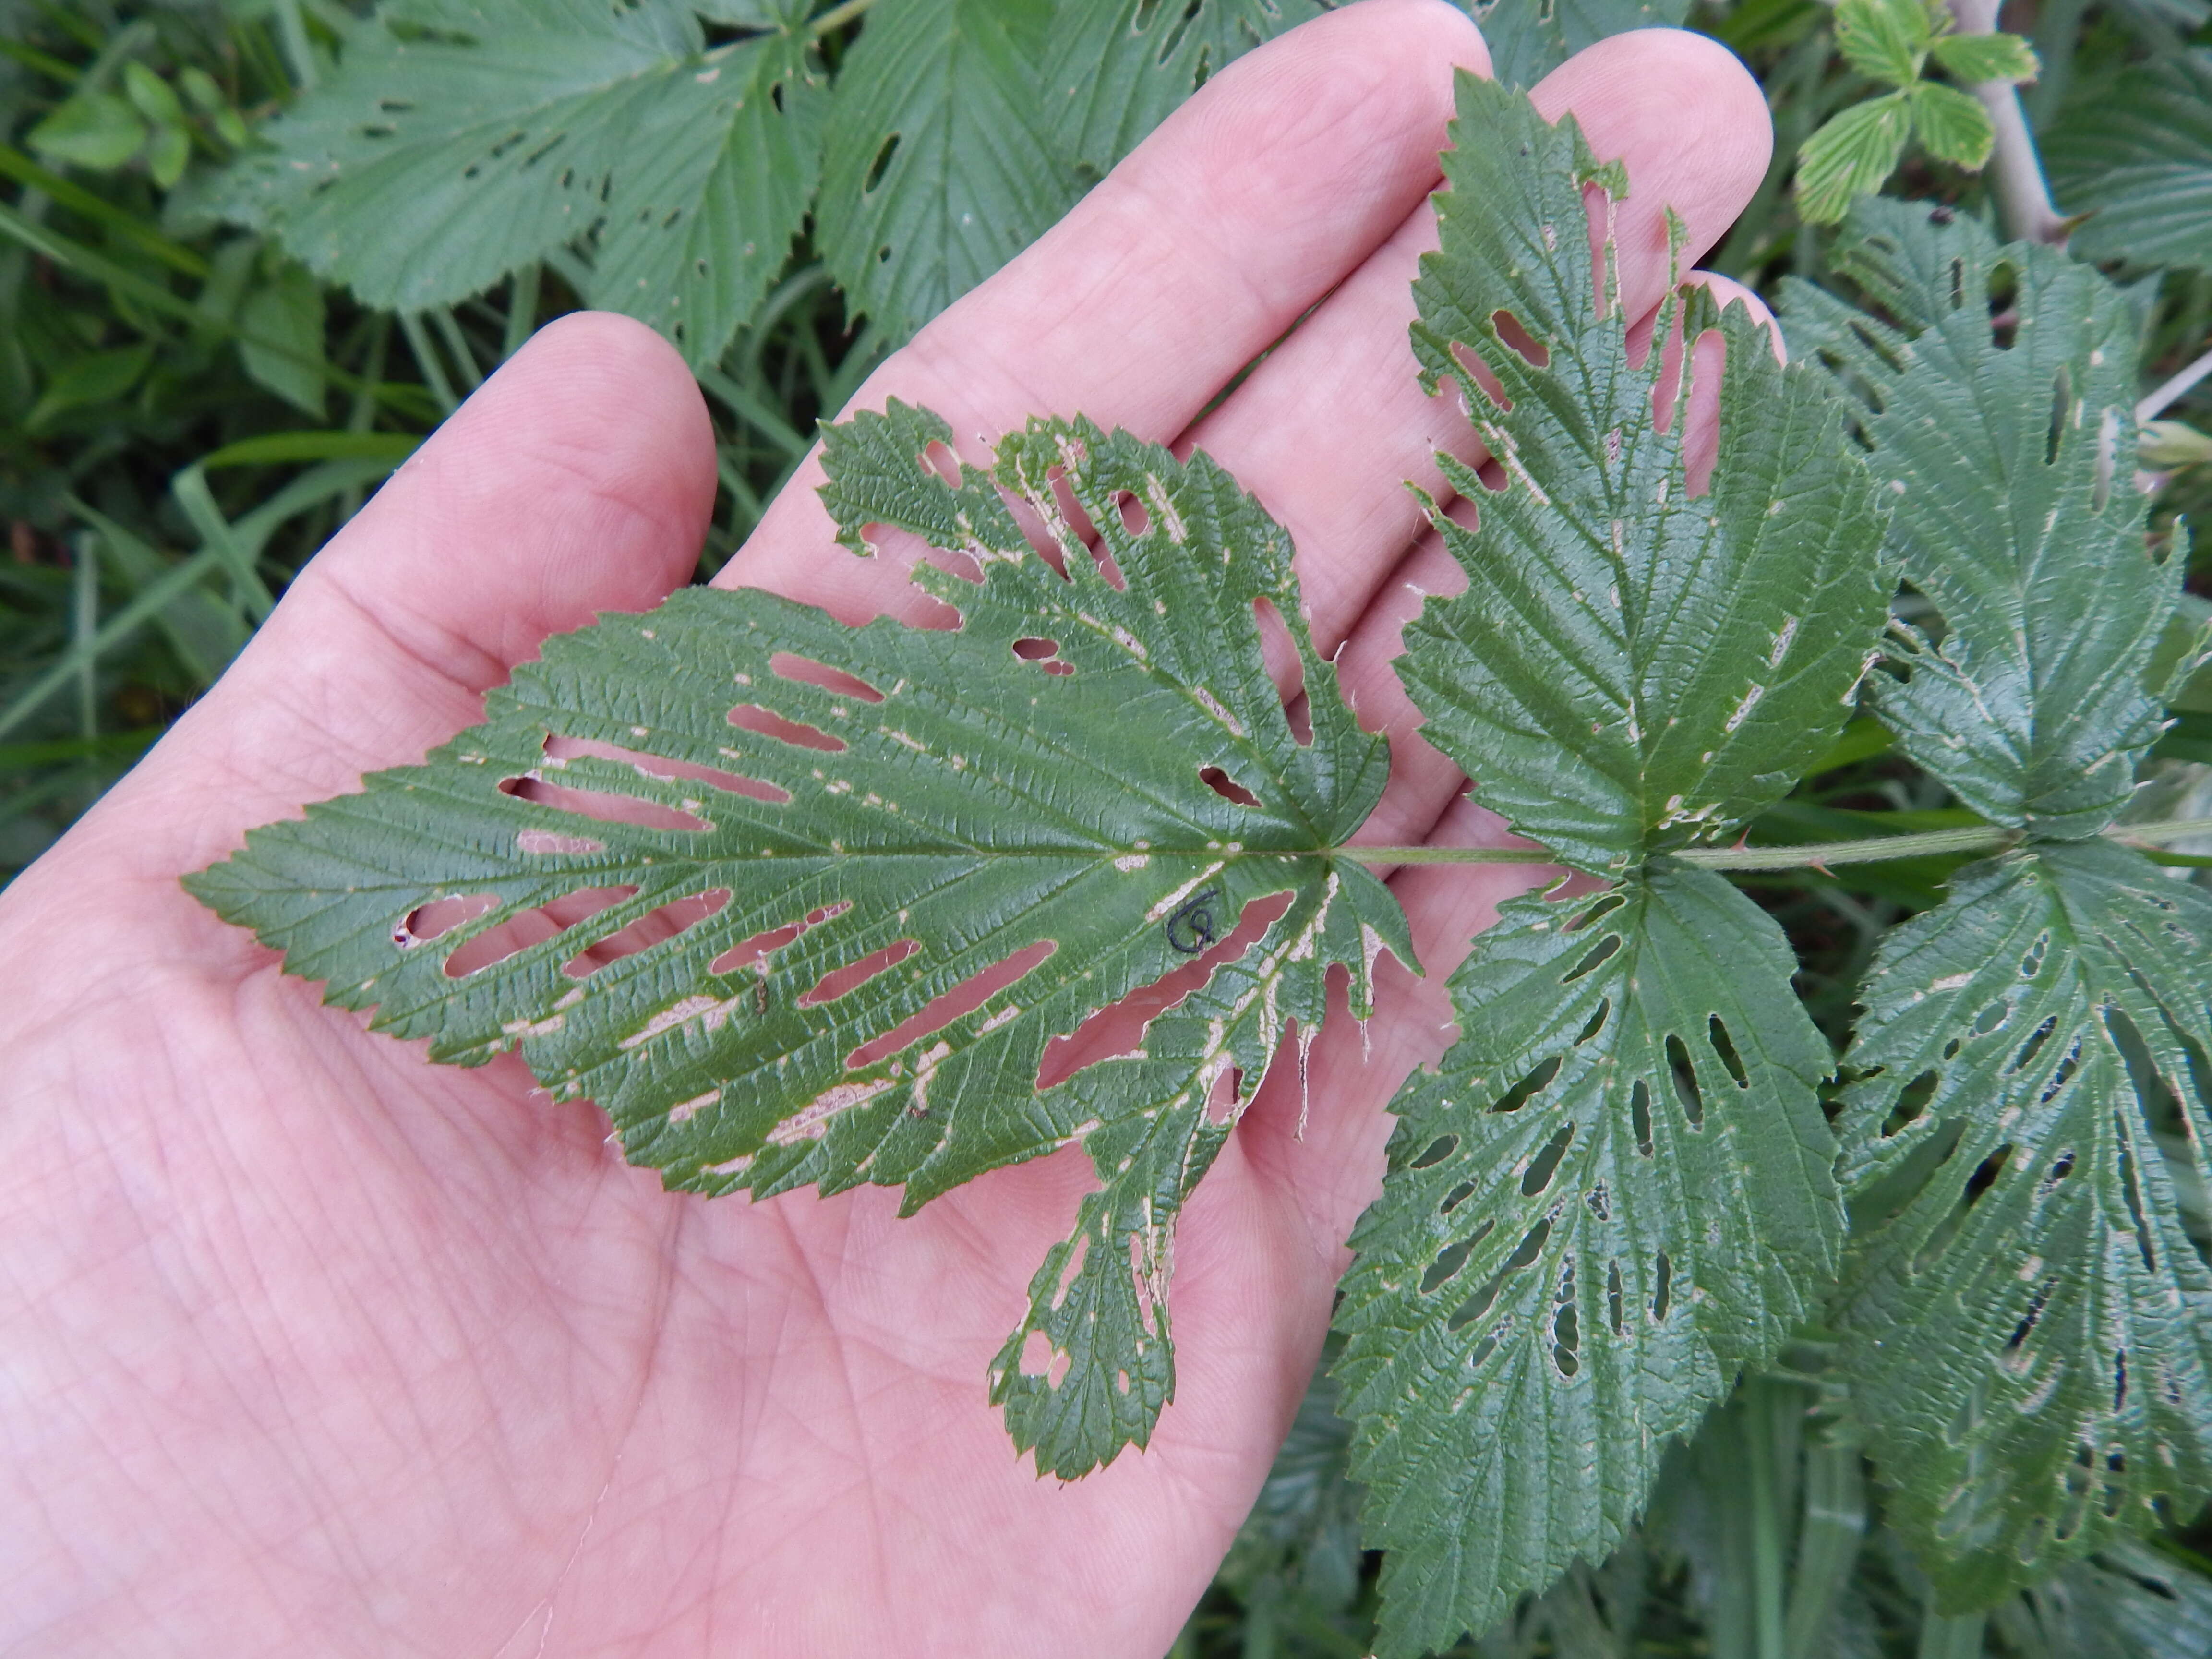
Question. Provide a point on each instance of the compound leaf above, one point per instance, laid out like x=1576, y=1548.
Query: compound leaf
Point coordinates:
x=1885, y=39
x=2029, y=1323
x=800, y=902
x=940, y=165
x=1952, y=125
x=1977, y=58
x=1530, y=39
x=1852, y=155
x=2138, y=160
x=2007, y=516
x=1116, y=69
x=1631, y=667
x=1613, y=1193
x=461, y=139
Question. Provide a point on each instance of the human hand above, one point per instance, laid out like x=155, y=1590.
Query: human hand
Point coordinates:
x=312, y=1344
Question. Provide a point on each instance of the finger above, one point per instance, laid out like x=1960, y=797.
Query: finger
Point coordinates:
x=577, y=480
x=1327, y=430
x=1250, y=203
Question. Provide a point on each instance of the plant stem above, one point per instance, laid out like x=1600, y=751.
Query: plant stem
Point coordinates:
x=1864, y=849
x=836, y=17
x=2171, y=390
x=1766, y=1583
x=1945, y=1637
x=2022, y=193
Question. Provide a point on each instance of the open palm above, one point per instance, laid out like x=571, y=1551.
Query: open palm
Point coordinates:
x=308, y=1345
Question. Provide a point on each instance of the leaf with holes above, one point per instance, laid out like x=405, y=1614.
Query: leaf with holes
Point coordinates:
x=2138, y=161
x=462, y=139
x=941, y=164
x=1530, y=39
x=2036, y=700
x=1634, y=667
x=799, y=902
x=2029, y=1323
x=1613, y=1194
x=1114, y=70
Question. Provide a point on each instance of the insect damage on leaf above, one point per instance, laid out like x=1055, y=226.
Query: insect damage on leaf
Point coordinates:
x=799, y=902
x=1616, y=1189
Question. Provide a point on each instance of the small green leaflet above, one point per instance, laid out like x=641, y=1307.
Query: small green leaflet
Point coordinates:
x=874, y=871
x=462, y=139
x=1115, y=69
x=1615, y=1191
x=1671, y=662
x=940, y=167
x=1613, y=1194
x=1530, y=39
x=2137, y=159
x=2012, y=513
x=2029, y=1325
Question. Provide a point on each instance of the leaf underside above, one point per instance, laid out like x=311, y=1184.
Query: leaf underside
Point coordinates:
x=2034, y=702
x=1616, y=1190
x=2029, y=1323
x=460, y=140
x=875, y=870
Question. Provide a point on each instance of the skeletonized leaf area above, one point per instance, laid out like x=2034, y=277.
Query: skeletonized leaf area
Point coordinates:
x=801, y=902
x=2029, y=1320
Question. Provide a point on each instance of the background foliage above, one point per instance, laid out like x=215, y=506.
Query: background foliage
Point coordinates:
x=206, y=363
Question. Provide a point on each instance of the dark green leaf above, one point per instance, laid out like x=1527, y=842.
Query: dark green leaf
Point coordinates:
x=93, y=129
x=287, y=311
x=2030, y=1323
x=888, y=894
x=1631, y=667
x=940, y=165
x=1530, y=39
x=2138, y=160
x=2034, y=702
x=1115, y=69
x=1613, y=1193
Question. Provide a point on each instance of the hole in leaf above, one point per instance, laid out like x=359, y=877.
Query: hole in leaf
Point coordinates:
x=1639, y=1115
x=1597, y=1022
x=807, y=671
x=1135, y=518
x=1524, y=344
x=2063, y=413
x=2032, y=964
x=1662, y=1292
x=1119, y=1027
x=1613, y=1298
x=961, y=1000
x=1492, y=474
x=1457, y=1196
x=1226, y=787
x=519, y=933
x=1280, y=652
x=600, y=806
x=1600, y=953
x=1600, y=908
x=1450, y=1260
x=1546, y=1162
x=655, y=926
x=1990, y=1017
x=1437, y=1151
x=938, y=460
x=843, y=981
x=1911, y=1100
x=1724, y=1046
x=755, y=951
x=1044, y=653
x=752, y=717
x=441, y=916
x=2029, y=1050
x=1471, y=364
x=1685, y=1081
x=1986, y=1173
x=1566, y=1328
x=2035, y=1306
x=661, y=769
x=876, y=167
x=1521, y=1092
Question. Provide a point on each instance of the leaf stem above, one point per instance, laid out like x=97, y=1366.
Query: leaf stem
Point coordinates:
x=1863, y=850
x=836, y=17
x=2156, y=402
x=2023, y=192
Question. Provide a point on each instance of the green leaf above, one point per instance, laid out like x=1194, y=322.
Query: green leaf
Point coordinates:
x=2029, y=1323
x=1852, y=154
x=286, y=311
x=462, y=139
x=1885, y=39
x=694, y=235
x=96, y=377
x=93, y=129
x=1017, y=810
x=1974, y=58
x=940, y=165
x=1952, y=125
x=1613, y=1193
x=152, y=96
x=1114, y=70
x=168, y=155
x=1631, y=668
x=2138, y=160
x=2007, y=515
x=1530, y=39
